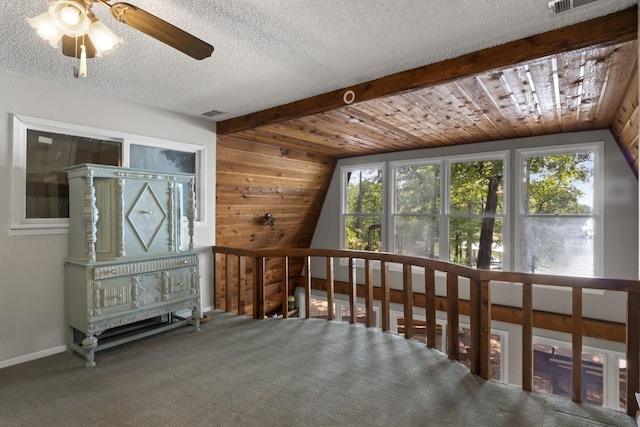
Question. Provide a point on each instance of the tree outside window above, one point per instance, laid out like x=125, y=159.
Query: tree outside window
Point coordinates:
x=363, y=209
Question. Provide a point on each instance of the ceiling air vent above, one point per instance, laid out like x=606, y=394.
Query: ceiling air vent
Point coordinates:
x=559, y=6
x=211, y=114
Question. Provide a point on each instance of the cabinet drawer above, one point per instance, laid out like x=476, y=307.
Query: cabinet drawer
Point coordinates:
x=163, y=264
x=137, y=291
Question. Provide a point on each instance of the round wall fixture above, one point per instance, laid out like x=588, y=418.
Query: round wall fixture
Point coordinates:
x=349, y=97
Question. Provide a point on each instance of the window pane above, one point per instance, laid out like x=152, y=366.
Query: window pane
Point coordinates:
x=364, y=191
x=476, y=187
x=417, y=236
x=418, y=190
x=559, y=184
x=363, y=233
x=476, y=242
x=47, y=155
x=558, y=246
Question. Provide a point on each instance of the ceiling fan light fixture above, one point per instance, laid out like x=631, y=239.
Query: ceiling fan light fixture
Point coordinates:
x=103, y=38
x=46, y=29
x=70, y=16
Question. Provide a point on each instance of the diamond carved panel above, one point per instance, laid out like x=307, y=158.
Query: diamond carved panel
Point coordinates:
x=147, y=216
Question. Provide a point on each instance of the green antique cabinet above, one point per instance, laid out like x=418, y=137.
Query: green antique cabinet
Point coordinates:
x=132, y=265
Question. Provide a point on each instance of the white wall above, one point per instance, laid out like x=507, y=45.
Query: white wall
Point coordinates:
x=620, y=226
x=32, y=267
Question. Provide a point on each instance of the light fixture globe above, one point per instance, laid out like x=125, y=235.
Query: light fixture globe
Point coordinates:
x=70, y=17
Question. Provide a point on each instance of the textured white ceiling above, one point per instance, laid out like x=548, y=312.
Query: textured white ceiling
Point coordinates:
x=271, y=52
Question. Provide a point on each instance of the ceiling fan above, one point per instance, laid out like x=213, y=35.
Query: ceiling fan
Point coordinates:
x=84, y=36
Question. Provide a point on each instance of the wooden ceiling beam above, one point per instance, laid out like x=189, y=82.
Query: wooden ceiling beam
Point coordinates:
x=611, y=29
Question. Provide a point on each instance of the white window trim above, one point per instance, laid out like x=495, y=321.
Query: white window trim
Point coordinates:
x=21, y=226
x=598, y=189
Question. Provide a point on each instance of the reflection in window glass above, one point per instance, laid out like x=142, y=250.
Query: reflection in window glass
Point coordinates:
x=416, y=210
x=559, y=214
x=47, y=187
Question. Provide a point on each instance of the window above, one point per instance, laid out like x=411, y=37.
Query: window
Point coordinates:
x=476, y=213
x=558, y=202
x=362, y=207
x=42, y=149
x=416, y=209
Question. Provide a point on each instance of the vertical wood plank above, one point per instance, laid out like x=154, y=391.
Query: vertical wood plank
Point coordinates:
x=307, y=287
x=485, y=329
x=407, y=287
x=242, y=277
x=285, y=287
x=368, y=293
x=386, y=295
x=330, y=288
x=576, y=346
x=430, y=291
x=633, y=351
x=475, y=321
x=352, y=291
x=452, y=317
x=527, y=337
x=258, y=288
x=228, y=297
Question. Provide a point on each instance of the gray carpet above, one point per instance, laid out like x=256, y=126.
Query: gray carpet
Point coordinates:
x=277, y=372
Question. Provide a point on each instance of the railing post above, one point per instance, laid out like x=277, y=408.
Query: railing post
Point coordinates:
x=430, y=293
x=368, y=293
x=228, y=299
x=453, y=323
x=386, y=295
x=285, y=287
x=633, y=350
x=576, y=345
x=330, y=288
x=214, y=271
x=527, y=336
x=485, y=329
x=352, y=291
x=258, y=288
x=407, y=287
x=476, y=321
x=242, y=277
x=307, y=287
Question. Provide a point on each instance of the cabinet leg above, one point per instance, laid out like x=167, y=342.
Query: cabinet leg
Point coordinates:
x=89, y=344
x=196, y=314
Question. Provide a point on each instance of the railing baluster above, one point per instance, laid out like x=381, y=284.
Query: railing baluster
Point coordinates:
x=576, y=345
x=242, y=277
x=307, y=287
x=430, y=294
x=633, y=350
x=475, y=320
x=368, y=293
x=352, y=291
x=527, y=336
x=215, y=272
x=228, y=299
x=407, y=288
x=258, y=288
x=485, y=329
x=285, y=287
x=330, y=289
x=453, y=323
x=386, y=295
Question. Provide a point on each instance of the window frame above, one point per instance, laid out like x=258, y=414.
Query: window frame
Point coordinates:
x=519, y=215
x=22, y=226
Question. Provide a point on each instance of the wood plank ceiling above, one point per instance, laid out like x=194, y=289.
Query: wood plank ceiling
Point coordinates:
x=567, y=80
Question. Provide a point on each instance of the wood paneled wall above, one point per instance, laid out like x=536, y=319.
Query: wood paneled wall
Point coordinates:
x=625, y=124
x=255, y=178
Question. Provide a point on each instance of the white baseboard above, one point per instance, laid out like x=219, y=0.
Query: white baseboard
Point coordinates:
x=32, y=356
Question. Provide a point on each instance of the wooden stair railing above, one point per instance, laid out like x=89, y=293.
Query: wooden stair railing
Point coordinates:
x=480, y=306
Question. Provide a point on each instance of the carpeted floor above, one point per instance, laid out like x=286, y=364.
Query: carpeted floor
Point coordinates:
x=279, y=372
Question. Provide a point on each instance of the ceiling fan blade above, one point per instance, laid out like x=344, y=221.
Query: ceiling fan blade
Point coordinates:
x=161, y=30
x=71, y=46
